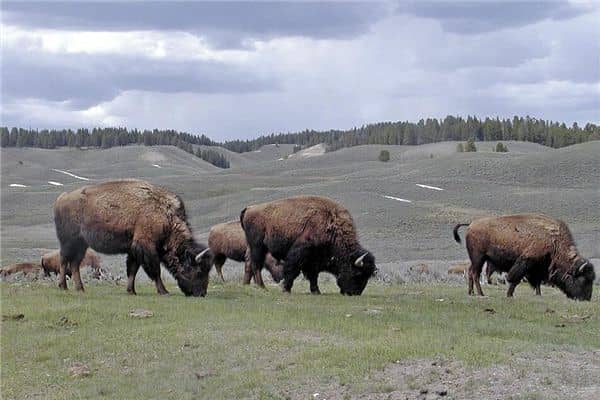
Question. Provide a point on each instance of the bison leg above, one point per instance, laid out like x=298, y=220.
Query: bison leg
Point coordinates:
x=148, y=258
x=258, y=278
x=132, y=269
x=538, y=290
x=290, y=273
x=76, y=276
x=219, y=260
x=313, y=279
x=71, y=258
x=247, y=272
x=292, y=266
x=475, y=274
x=489, y=270
x=516, y=274
x=257, y=261
x=153, y=272
x=62, y=275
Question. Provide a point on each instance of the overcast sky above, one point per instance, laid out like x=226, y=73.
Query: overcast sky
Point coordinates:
x=240, y=70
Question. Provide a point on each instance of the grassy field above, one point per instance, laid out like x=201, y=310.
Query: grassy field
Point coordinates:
x=417, y=332
x=244, y=342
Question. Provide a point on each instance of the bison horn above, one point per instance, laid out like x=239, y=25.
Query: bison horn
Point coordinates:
x=201, y=254
x=582, y=266
x=359, y=261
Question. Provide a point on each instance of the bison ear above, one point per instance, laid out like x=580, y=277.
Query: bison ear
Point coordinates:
x=203, y=254
x=360, y=261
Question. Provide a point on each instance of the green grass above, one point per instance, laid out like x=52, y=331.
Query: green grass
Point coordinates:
x=258, y=343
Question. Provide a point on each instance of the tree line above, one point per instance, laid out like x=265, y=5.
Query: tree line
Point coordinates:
x=548, y=133
x=105, y=138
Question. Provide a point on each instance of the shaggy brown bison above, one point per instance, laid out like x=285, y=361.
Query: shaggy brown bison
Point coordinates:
x=228, y=240
x=51, y=262
x=137, y=218
x=529, y=245
x=310, y=234
x=25, y=268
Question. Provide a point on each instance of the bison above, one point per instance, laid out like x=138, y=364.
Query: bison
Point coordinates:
x=228, y=240
x=25, y=268
x=534, y=246
x=310, y=234
x=50, y=262
x=137, y=218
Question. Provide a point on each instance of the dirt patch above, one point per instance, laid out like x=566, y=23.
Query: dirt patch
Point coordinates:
x=555, y=375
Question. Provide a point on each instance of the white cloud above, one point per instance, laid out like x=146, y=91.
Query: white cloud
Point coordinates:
x=174, y=45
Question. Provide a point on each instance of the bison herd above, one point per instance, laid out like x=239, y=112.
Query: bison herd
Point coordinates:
x=304, y=234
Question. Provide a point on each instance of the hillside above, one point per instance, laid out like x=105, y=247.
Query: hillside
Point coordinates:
x=530, y=178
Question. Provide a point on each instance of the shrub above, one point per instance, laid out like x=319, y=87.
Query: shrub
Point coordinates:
x=501, y=148
x=384, y=156
x=470, y=146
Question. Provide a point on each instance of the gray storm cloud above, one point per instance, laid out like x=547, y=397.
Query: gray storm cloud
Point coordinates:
x=237, y=70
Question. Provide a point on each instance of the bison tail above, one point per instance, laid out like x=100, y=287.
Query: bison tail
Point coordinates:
x=455, y=231
x=242, y=216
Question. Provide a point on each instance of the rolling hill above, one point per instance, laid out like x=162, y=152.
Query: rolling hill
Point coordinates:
x=530, y=178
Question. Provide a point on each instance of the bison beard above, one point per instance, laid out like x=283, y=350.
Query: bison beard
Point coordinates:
x=146, y=222
x=309, y=234
x=529, y=245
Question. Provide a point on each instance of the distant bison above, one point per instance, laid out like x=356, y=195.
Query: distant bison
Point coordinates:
x=458, y=269
x=228, y=240
x=25, y=268
x=50, y=262
x=309, y=234
x=529, y=245
x=144, y=221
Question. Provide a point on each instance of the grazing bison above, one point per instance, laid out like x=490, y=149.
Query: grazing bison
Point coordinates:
x=25, y=268
x=51, y=262
x=144, y=221
x=228, y=240
x=529, y=245
x=311, y=235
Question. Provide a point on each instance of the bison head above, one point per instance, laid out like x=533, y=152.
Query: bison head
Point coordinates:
x=578, y=283
x=194, y=270
x=354, y=276
x=274, y=267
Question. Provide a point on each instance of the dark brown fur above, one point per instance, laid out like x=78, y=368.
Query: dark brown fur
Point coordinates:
x=144, y=221
x=228, y=240
x=309, y=234
x=26, y=268
x=50, y=262
x=528, y=245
